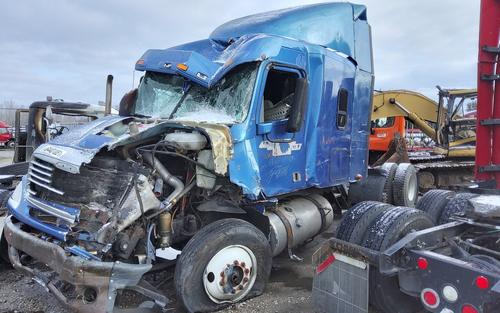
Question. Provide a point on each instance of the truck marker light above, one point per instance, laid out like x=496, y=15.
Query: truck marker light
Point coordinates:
x=324, y=265
x=201, y=76
x=422, y=263
x=482, y=282
x=430, y=298
x=140, y=62
x=469, y=309
x=182, y=67
x=450, y=293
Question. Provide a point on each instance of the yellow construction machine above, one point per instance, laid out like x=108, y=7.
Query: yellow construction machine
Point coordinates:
x=448, y=125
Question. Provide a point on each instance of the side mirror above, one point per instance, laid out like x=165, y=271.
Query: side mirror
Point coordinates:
x=48, y=114
x=127, y=103
x=298, y=107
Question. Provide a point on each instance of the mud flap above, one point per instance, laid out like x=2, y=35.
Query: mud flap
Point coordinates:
x=340, y=283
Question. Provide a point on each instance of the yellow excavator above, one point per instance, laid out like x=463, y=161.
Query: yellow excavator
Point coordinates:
x=449, y=124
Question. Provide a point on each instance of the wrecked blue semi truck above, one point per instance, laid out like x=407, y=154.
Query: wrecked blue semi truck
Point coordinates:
x=232, y=150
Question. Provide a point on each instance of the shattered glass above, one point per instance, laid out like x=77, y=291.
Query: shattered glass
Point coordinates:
x=226, y=102
x=158, y=94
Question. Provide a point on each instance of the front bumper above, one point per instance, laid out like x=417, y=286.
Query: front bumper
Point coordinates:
x=101, y=279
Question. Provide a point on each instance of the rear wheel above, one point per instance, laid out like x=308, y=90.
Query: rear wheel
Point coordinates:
x=390, y=169
x=456, y=206
x=433, y=202
x=358, y=218
x=405, y=185
x=224, y=263
x=387, y=229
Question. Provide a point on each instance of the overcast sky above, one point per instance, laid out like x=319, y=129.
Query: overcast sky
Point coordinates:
x=65, y=48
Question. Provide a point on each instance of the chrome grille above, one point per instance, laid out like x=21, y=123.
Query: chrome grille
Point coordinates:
x=40, y=174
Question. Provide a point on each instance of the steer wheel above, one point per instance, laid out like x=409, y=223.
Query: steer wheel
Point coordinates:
x=225, y=262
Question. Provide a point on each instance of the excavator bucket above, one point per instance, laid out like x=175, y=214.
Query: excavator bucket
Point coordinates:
x=396, y=153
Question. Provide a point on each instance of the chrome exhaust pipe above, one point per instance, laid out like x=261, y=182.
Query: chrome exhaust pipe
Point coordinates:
x=109, y=95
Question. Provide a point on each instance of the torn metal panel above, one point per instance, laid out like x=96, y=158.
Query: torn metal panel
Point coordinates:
x=220, y=142
x=69, y=152
x=105, y=277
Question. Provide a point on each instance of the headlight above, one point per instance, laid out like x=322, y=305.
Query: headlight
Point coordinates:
x=15, y=198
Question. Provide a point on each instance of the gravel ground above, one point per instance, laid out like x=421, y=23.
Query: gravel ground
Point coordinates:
x=288, y=291
x=6, y=156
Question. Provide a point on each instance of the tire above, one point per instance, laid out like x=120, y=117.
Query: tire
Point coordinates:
x=485, y=262
x=356, y=221
x=433, y=202
x=11, y=144
x=387, y=229
x=369, y=189
x=457, y=206
x=405, y=185
x=206, y=249
x=4, y=256
x=4, y=197
x=390, y=169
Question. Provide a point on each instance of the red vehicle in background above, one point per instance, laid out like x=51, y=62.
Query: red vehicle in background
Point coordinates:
x=6, y=137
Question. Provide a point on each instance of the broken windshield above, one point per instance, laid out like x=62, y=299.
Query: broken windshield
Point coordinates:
x=165, y=96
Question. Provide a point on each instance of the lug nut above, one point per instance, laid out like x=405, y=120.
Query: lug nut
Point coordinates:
x=245, y=280
x=243, y=264
x=233, y=291
x=236, y=262
x=221, y=274
x=247, y=271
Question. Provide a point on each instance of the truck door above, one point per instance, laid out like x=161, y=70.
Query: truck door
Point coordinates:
x=281, y=154
x=335, y=122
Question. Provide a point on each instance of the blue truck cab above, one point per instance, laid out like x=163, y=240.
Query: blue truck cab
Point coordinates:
x=228, y=153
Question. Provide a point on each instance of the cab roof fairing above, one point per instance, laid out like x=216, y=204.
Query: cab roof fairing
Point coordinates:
x=337, y=26
x=341, y=27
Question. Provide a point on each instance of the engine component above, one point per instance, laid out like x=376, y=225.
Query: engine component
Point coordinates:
x=186, y=141
x=158, y=189
x=127, y=241
x=165, y=229
x=306, y=216
x=167, y=178
x=204, y=178
x=129, y=211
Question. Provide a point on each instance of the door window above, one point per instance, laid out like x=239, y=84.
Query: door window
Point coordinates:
x=279, y=95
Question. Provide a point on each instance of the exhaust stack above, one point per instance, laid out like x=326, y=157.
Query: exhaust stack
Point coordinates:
x=109, y=95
